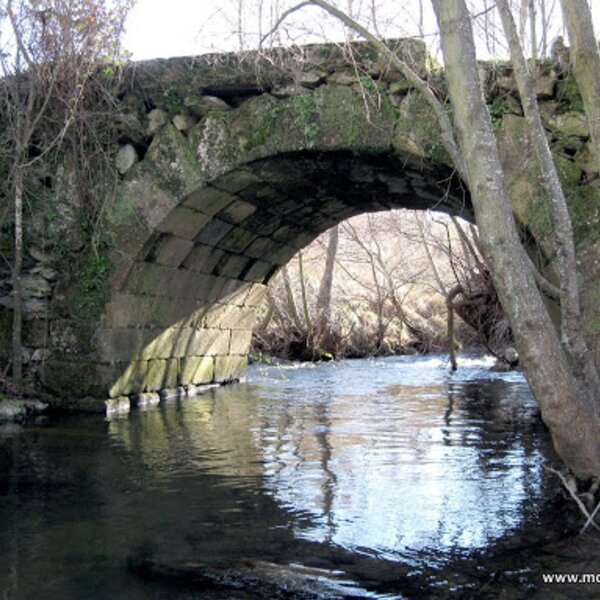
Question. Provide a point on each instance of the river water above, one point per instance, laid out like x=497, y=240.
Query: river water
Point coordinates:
x=374, y=474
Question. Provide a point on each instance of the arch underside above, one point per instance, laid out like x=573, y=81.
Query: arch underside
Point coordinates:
x=182, y=305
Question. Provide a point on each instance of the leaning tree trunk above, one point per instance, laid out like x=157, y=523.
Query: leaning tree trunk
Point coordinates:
x=586, y=62
x=582, y=360
x=571, y=418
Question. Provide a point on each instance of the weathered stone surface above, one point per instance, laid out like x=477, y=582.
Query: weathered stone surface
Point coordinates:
x=118, y=406
x=285, y=91
x=183, y=122
x=173, y=250
x=240, y=342
x=145, y=400
x=39, y=255
x=202, y=105
x=183, y=222
x=342, y=78
x=35, y=286
x=157, y=118
x=312, y=78
x=126, y=157
x=17, y=410
x=196, y=370
x=587, y=160
x=571, y=123
x=259, y=270
x=230, y=368
x=237, y=211
x=545, y=83
x=209, y=200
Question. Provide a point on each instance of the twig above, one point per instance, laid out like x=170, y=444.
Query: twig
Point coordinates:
x=580, y=504
x=590, y=520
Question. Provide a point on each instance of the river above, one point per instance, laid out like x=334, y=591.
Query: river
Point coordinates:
x=373, y=477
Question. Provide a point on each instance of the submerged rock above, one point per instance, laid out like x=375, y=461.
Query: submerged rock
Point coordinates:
x=261, y=578
x=17, y=410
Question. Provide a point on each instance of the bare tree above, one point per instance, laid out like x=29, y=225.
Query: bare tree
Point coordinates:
x=48, y=58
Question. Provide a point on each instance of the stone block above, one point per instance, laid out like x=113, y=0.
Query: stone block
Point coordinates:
x=172, y=394
x=172, y=250
x=200, y=342
x=230, y=368
x=35, y=286
x=141, y=376
x=171, y=162
x=146, y=198
x=213, y=232
x=263, y=223
x=209, y=200
x=124, y=378
x=120, y=345
x=117, y=406
x=148, y=278
x=283, y=255
x=202, y=105
x=240, y=342
x=145, y=399
x=237, y=211
x=196, y=370
x=231, y=265
x=259, y=248
x=183, y=222
x=156, y=119
x=237, y=240
x=571, y=123
x=203, y=259
x=236, y=181
x=233, y=291
x=78, y=378
x=258, y=271
x=255, y=295
x=71, y=339
x=126, y=158
x=184, y=122
x=225, y=316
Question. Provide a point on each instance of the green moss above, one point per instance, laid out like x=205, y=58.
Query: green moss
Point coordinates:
x=584, y=206
x=308, y=114
x=267, y=115
x=568, y=96
x=498, y=109
x=173, y=97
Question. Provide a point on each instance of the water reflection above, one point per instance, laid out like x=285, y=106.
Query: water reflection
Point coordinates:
x=394, y=459
x=451, y=465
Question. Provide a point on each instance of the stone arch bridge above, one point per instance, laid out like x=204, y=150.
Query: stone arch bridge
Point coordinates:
x=228, y=166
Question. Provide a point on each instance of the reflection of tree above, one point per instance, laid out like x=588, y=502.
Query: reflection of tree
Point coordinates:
x=322, y=434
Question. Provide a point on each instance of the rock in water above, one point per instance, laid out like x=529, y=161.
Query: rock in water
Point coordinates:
x=262, y=578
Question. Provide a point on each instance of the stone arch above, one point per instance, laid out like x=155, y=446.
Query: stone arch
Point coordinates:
x=244, y=159
x=212, y=215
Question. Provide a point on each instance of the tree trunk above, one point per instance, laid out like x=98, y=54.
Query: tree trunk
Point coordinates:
x=572, y=419
x=586, y=62
x=289, y=294
x=457, y=289
x=324, y=297
x=581, y=358
x=17, y=324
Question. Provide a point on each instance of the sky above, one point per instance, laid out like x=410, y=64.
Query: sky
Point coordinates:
x=164, y=28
